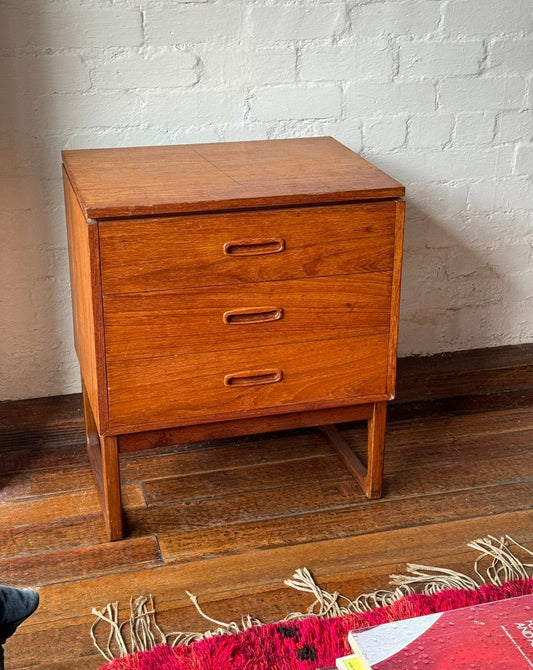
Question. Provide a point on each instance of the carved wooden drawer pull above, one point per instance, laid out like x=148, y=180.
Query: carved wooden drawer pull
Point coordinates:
x=246, y=315
x=254, y=378
x=254, y=247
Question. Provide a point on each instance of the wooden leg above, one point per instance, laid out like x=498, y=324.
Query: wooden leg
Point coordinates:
x=376, y=450
x=103, y=455
x=369, y=477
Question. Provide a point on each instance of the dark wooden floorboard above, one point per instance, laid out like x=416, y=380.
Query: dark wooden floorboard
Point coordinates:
x=229, y=520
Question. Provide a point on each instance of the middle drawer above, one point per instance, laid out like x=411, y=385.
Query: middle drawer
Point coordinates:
x=165, y=323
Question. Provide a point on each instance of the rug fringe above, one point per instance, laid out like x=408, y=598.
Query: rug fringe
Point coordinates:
x=141, y=631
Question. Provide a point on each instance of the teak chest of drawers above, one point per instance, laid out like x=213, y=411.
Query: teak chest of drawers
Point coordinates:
x=225, y=289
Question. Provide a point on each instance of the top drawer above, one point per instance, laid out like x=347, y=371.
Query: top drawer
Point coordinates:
x=241, y=247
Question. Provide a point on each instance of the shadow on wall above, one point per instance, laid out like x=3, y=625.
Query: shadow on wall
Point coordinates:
x=35, y=341
x=453, y=288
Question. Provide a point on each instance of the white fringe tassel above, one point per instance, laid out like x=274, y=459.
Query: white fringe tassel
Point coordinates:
x=141, y=632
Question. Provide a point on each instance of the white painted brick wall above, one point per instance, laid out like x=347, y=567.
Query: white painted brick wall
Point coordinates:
x=479, y=17
x=436, y=92
x=437, y=58
x=170, y=68
x=399, y=17
x=395, y=97
x=192, y=24
x=430, y=131
x=277, y=103
x=302, y=21
x=475, y=128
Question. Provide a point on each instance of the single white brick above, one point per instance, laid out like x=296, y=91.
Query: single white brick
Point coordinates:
x=193, y=23
x=509, y=259
x=170, y=68
x=473, y=17
x=236, y=66
x=521, y=290
x=445, y=165
x=384, y=134
x=243, y=132
x=407, y=166
x=511, y=55
x=42, y=73
x=74, y=110
x=431, y=59
x=21, y=192
x=368, y=99
x=396, y=18
x=346, y=131
x=356, y=61
x=272, y=67
x=430, y=130
x=474, y=128
x=116, y=137
x=296, y=102
x=496, y=227
x=440, y=202
x=434, y=212
x=524, y=160
x=512, y=193
x=195, y=135
x=476, y=287
x=515, y=126
x=16, y=26
x=172, y=108
x=273, y=23
x=482, y=94
x=24, y=230
x=15, y=160
x=474, y=163
x=99, y=27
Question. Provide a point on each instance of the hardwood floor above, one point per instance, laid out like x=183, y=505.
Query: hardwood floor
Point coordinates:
x=230, y=520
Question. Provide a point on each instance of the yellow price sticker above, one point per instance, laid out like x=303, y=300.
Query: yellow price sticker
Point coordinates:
x=351, y=663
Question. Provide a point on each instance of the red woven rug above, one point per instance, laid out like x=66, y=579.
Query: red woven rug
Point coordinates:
x=305, y=644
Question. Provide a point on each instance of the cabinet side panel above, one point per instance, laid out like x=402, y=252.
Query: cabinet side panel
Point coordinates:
x=395, y=301
x=86, y=302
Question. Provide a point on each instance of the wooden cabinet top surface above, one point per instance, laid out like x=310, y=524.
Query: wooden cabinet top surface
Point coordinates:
x=159, y=180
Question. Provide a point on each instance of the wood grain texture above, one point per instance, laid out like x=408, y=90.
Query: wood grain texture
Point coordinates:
x=144, y=325
x=188, y=251
x=245, y=426
x=329, y=522
x=395, y=296
x=188, y=389
x=376, y=451
x=369, y=471
x=84, y=261
x=104, y=458
x=78, y=563
x=439, y=541
x=464, y=373
x=201, y=177
x=68, y=504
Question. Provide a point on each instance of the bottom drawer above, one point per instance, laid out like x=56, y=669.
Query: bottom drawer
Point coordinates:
x=180, y=390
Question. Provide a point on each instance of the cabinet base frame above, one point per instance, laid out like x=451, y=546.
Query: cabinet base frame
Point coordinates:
x=104, y=450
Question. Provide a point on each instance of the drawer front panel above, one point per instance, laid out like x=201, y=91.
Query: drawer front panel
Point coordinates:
x=247, y=315
x=182, y=390
x=241, y=247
